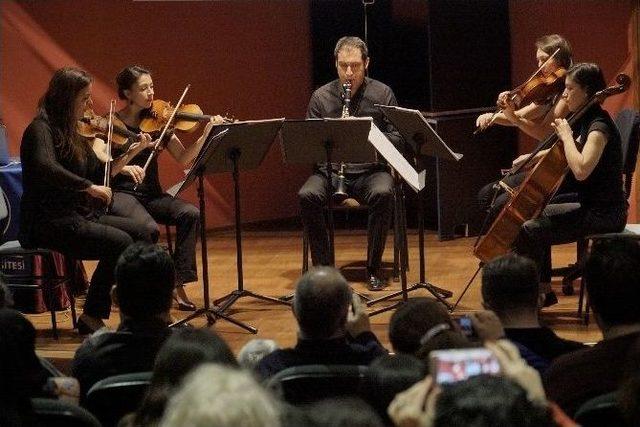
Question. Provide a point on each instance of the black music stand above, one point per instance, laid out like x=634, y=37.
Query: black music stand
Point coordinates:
x=197, y=172
x=313, y=141
x=404, y=173
x=424, y=141
x=244, y=147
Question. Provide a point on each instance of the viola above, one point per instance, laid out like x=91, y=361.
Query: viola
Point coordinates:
x=92, y=125
x=187, y=117
x=539, y=88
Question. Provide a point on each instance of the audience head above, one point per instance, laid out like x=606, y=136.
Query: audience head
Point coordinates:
x=215, y=395
x=343, y=412
x=390, y=375
x=321, y=303
x=485, y=401
x=21, y=375
x=182, y=352
x=412, y=320
x=612, y=276
x=253, y=352
x=145, y=279
x=510, y=282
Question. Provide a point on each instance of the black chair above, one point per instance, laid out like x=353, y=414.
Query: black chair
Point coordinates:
x=36, y=269
x=600, y=411
x=352, y=205
x=305, y=384
x=112, y=398
x=628, y=124
x=57, y=413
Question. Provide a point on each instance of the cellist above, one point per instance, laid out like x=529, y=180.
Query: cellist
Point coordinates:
x=593, y=151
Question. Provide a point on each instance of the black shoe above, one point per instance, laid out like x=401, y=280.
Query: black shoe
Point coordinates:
x=84, y=328
x=185, y=306
x=550, y=299
x=375, y=283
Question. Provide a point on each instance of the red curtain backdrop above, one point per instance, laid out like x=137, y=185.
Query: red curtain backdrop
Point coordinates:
x=249, y=59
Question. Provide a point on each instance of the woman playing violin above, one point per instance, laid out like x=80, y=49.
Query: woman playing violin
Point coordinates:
x=138, y=194
x=60, y=169
x=601, y=206
x=535, y=118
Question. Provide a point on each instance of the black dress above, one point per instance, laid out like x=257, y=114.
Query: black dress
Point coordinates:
x=57, y=214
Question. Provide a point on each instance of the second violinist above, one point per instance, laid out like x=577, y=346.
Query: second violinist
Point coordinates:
x=137, y=194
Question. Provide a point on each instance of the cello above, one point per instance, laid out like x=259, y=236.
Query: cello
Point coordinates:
x=528, y=200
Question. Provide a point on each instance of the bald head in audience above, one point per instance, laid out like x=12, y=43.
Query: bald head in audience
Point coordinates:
x=321, y=303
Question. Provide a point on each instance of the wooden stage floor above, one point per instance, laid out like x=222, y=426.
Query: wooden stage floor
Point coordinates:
x=272, y=262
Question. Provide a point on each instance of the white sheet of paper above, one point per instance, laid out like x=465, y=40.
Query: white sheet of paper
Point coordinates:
x=396, y=159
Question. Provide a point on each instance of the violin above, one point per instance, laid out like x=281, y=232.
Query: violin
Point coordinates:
x=536, y=88
x=187, y=117
x=92, y=125
x=539, y=88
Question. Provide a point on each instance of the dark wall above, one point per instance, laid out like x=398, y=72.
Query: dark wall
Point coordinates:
x=436, y=55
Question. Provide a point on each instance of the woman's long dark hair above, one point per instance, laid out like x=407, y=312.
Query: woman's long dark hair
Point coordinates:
x=57, y=107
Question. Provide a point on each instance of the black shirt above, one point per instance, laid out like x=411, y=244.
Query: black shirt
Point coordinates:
x=327, y=101
x=53, y=186
x=338, y=351
x=150, y=186
x=542, y=341
x=603, y=188
x=131, y=348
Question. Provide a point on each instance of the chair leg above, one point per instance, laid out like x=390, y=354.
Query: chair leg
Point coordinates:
x=49, y=288
x=581, y=297
x=305, y=251
x=68, y=284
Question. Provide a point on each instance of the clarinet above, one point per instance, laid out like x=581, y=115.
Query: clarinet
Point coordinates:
x=341, y=191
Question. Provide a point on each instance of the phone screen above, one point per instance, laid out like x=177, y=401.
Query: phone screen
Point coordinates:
x=467, y=327
x=448, y=366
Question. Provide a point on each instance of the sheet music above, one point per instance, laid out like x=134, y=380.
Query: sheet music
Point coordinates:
x=396, y=159
x=445, y=152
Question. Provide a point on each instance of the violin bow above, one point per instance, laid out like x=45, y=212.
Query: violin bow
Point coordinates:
x=107, y=165
x=164, y=130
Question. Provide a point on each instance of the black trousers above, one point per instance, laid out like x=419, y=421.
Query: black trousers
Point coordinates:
x=565, y=223
x=164, y=209
x=566, y=193
x=101, y=239
x=374, y=189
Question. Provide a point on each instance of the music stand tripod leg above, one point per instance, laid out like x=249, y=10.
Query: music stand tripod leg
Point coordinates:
x=207, y=311
x=228, y=300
